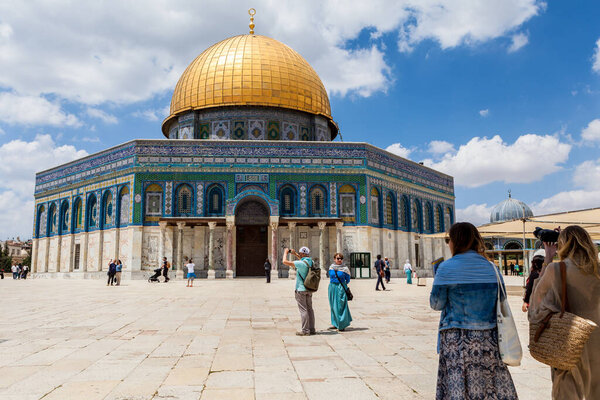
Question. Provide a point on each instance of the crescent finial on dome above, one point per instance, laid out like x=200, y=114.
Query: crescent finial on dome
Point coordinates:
x=252, y=12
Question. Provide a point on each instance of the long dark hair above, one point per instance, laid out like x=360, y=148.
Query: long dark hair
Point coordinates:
x=465, y=237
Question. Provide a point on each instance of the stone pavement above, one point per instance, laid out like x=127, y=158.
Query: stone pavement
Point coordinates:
x=224, y=339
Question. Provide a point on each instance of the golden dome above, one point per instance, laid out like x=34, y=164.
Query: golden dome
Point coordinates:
x=250, y=70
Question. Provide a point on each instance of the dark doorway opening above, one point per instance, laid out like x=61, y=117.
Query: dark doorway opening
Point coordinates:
x=251, y=219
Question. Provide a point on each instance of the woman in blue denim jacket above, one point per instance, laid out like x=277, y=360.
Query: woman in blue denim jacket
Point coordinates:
x=465, y=290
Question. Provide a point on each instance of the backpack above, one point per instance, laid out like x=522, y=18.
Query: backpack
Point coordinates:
x=312, y=279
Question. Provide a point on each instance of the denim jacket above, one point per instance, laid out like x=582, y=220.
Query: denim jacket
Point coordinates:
x=465, y=290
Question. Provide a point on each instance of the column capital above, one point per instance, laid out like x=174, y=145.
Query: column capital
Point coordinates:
x=180, y=225
x=274, y=225
x=162, y=224
x=230, y=225
x=212, y=225
x=291, y=225
x=339, y=225
x=322, y=224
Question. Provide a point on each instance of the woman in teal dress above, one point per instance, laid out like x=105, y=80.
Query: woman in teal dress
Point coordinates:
x=338, y=302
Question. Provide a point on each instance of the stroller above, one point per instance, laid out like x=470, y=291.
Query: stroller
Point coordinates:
x=157, y=273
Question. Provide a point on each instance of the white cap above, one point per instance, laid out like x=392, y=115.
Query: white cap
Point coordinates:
x=304, y=250
x=538, y=253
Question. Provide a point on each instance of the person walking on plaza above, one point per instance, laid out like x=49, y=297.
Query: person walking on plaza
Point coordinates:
x=25, y=271
x=379, y=268
x=165, y=269
x=191, y=275
x=20, y=270
x=408, y=271
x=339, y=276
x=536, y=267
x=13, y=269
x=303, y=296
x=505, y=269
x=512, y=269
x=517, y=269
x=465, y=290
x=386, y=270
x=118, y=272
x=580, y=255
x=112, y=270
x=268, y=270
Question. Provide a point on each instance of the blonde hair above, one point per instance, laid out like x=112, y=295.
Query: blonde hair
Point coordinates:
x=576, y=244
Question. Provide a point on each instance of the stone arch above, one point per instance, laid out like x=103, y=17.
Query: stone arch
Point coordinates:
x=63, y=224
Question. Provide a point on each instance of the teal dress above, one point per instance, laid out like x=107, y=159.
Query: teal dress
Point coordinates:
x=338, y=302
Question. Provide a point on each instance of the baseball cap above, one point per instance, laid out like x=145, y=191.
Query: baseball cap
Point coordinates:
x=304, y=250
x=539, y=253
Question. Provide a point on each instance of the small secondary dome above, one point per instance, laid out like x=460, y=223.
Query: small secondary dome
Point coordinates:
x=510, y=209
x=250, y=70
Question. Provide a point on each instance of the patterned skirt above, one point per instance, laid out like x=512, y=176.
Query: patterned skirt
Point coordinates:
x=471, y=368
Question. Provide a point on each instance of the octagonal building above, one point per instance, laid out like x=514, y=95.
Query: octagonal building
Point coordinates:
x=249, y=166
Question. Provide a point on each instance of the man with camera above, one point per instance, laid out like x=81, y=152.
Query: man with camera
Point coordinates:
x=303, y=296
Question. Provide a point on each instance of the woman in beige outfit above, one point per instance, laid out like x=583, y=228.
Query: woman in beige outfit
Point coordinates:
x=580, y=255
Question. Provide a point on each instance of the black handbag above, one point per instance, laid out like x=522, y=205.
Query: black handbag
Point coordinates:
x=349, y=294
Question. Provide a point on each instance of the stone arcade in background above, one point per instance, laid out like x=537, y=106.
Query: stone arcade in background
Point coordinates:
x=249, y=167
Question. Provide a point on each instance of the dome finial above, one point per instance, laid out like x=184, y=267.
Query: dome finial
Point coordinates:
x=509, y=196
x=252, y=12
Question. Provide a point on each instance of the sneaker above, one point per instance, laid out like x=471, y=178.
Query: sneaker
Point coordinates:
x=300, y=333
x=378, y=289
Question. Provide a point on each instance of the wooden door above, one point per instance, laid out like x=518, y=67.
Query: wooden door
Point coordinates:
x=251, y=250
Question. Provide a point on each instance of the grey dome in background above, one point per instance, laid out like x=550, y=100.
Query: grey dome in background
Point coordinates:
x=510, y=209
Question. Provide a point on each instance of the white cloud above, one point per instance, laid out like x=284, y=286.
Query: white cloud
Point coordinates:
x=587, y=175
x=101, y=115
x=20, y=161
x=567, y=201
x=592, y=131
x=477, y=214
x=153, y=114
x=399, y=150
x=596, y=58
x=130, y=51
x=33, y=110
x=518, y=40
x=482, y=161
x=440, y=147
x=484, y=113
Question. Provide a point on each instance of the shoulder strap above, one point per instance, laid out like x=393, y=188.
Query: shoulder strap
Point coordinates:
x=339, y=280
x=563, y=295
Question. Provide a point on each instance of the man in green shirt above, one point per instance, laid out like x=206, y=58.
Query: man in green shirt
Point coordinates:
x=303, y=296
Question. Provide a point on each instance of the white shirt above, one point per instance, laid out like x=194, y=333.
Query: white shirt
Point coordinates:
x=13, y=268
x=190, y=268
x=407, y=267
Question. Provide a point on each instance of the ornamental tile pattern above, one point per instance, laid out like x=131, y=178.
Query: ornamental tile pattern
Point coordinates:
x=303, y=200
x=168, y=198
x=256, y=130
x=220, y=130
x=333, y=198
x=200, y=198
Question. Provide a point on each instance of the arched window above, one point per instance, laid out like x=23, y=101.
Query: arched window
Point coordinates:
x=184, y=201
x=108, y=213
x=92, y=212
x=448, y=218
x=317, y=201
x=64, y=218
x=428, y=217
x=77, y=223
x=416, y=216
x=348, y=203
x=154, y=200
x=438, y=218
x=124, y=204
x=404, y=209
x=374, y=214
x=52, y=222
x=287, y=201
x=214, y=201
x=390, y=209
x=41, y=221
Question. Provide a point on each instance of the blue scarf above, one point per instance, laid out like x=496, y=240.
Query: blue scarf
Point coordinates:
x=468, y=267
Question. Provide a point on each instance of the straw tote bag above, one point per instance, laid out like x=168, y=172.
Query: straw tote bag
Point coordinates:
x=559, y=338
x=509, y=344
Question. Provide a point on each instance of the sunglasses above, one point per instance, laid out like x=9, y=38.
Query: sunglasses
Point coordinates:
x=339, y=258
x=447, y=240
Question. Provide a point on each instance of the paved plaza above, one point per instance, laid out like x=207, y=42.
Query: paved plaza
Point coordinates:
x=224, y=339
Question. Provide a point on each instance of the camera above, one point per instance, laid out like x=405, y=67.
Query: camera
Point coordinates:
x=546, y=235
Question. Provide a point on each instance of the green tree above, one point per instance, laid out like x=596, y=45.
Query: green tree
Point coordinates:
x=5, y=259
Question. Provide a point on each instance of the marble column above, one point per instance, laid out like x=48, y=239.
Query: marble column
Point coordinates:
x=161, y=241
x=58, y=252
x=230, y=230
x=179, y=266
x=72, y=253
x=34, y=256
x=211, y=243
x=322, y=225
x=100, y=256
x=338, y=237
x=117, y=242
x=292, y=228
x=274, y=253
x=84, y=252
x=46, y=256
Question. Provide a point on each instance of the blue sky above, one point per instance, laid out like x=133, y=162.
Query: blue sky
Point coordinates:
x=500, y=94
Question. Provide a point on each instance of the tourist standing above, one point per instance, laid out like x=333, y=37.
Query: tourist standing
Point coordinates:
x=303, y=296
x=191, y=274
x=13, y=269
x=536, y=267
x=512, y=269
x=20, y=270
x=517, y=269
x=465, y=289
x=408, y=271
x=379, y=269
x=505, y=269
x=387, y=270
x=118, y=271
x=112, y=270
x=580, y=255
x=268, y=270
x=339, y=277
x=25, y=271
x=165, y=269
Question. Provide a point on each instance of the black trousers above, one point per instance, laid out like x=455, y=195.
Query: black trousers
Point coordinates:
x=166, y=274
x=268, y=275
x=379, y=280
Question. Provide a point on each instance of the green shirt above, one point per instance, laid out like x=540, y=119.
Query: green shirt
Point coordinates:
x=301, y=272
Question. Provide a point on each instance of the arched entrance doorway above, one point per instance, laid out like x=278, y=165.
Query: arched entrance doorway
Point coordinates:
x=251, y=221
